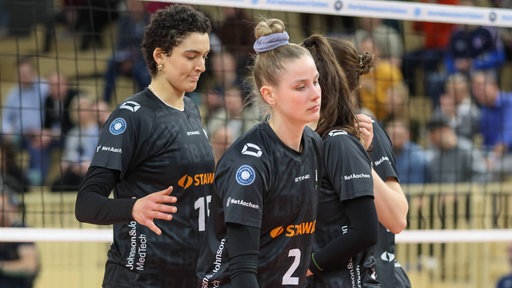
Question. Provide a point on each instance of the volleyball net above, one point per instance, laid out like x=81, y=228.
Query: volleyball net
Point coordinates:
x=86, y=67
x=456, y=232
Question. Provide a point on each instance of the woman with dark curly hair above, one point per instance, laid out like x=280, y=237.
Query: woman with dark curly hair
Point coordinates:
x=154, y=144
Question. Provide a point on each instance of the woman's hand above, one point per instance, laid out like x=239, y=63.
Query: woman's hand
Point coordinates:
x=154, y=206
x=365, y=124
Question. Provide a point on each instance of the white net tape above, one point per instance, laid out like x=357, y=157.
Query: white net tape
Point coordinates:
x=105, y=235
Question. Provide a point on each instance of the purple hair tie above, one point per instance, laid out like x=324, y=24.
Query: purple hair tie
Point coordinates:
x=270, y=42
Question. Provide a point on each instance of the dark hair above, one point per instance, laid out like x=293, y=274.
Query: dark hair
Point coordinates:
x=338, y=110
x=351, y=61
x=169, y=27
x=437, y=120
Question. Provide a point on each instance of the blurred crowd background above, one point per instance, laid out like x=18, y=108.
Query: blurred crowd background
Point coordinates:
x=442, y=91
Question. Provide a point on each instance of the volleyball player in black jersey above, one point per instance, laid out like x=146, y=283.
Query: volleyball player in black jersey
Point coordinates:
x=347, y=223
x=390, y=201
x=264, y=204
x=151, y=145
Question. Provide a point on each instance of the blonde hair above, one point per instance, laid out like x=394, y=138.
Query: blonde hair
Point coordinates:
x=269, y=65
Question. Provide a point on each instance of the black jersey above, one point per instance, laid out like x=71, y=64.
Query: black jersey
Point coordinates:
x=383, y=161
x=262, y=183
x=155, y=146
x=347, y=175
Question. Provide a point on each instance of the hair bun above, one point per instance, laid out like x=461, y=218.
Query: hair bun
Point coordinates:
x=365, y=63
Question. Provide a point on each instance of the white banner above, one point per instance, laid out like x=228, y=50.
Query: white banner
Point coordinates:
x=376, y=9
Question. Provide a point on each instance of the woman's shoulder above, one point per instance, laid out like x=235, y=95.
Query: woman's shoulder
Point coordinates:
x=341, y=139
x=138, y=105
x=250, y=149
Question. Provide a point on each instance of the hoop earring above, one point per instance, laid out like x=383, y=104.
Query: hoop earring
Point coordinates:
x=159, y=67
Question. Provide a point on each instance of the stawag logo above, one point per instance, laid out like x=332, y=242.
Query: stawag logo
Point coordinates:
x=197, y=180
x=241, y=203
x=117, y=126
x=294, y=229
x=252, y=150
x=130, y=105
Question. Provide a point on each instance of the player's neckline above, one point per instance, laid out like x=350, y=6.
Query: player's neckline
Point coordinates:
x=160, y=98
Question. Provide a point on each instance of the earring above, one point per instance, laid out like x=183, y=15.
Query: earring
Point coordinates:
x=159, y=67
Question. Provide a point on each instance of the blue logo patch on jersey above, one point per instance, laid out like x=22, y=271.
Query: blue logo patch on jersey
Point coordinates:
x=245, y=175
x=117, y=126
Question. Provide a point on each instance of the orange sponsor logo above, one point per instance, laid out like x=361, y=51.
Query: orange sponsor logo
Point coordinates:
x=294, y=229
x=197, y=180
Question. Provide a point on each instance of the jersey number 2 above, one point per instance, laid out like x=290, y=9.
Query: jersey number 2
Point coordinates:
x=288, y=279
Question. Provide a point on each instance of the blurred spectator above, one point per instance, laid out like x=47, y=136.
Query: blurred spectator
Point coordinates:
x=410, y=157
x=386, y=38
x=24, y=15
x=471, y=48
x=22, y=116
x=80, y=145
x=84, y=18
x=221, y=139
x=57, y=121
x=93, y=18
x=102, y=111
x=331, y=23
x=430, y=55
x=506, y=280
x=19, y=261
x=458, y=105
x=505, y=33
x=452, y=159
x=67, y=16
x=234, y=115
x=375, y=85
x=127, y=59
x=12, y=173
x=495, y=121
x=224, y=76
x=4, y=18
x=398, y=99
x=398, y=107
x=474, y=48
x=236, y=34
x=153, y=6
